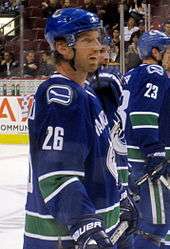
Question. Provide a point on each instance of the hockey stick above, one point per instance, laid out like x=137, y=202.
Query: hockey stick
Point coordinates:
x=146, y=176
x=119, y=231
x=114, y=238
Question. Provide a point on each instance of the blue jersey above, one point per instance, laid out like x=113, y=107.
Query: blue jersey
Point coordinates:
x=147, y=95
x=72, y=171
x=146, y=107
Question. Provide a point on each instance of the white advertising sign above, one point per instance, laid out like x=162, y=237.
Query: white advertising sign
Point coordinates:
x=12, y=120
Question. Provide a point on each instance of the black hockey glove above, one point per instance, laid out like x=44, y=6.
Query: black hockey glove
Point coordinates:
x=106, y=86
x=156, y=165
x=129, y=213
x=89, y=234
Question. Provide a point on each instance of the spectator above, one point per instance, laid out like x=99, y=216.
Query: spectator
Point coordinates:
x=66, y=4
x=30, y=65
x=89, y=6
x=47, y=65
x=167, y=27
x=2, y=43
x=106, y=13
x=8, y=64
x=5, y=5
x=49, y=7
x=116, y=35
x=10, y=6
x=129, y=30
x=137, y=9
x=15, y=6
x=115, y=46
x=114, y=54
x=132, y=55
x=166, y=61
x=141, y=26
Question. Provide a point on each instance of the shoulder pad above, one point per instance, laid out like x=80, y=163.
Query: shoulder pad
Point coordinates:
x=61, y=94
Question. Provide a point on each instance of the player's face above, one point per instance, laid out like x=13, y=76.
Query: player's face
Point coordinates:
x=166, y=60
x=87, y=51
x=157, y=55
x=104, y=55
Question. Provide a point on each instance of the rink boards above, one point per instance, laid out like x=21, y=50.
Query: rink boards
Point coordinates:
x=13, y=119
x=15, y=103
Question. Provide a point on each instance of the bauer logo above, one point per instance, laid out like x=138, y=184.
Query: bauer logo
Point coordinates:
x=61, y=94
x=86, y=228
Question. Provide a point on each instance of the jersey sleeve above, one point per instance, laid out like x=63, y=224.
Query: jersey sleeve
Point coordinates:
x=64, y=142
x=144, y=112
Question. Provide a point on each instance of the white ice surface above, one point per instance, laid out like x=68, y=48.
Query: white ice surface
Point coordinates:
x=13, y=185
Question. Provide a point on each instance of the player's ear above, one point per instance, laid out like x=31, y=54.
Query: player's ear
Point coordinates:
x=63, y=49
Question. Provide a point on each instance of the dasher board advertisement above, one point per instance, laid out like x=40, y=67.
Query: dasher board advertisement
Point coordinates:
x=13, y=118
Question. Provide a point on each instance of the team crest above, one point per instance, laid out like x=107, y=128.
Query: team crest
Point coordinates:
x=61, y=94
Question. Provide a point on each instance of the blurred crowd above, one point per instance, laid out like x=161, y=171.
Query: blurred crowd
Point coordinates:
x=10, y=7
x=41, y=64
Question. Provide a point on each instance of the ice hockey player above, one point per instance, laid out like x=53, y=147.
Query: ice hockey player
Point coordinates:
x=73, y=196
x=107, y=83
x=146, y=104
x=166, y=65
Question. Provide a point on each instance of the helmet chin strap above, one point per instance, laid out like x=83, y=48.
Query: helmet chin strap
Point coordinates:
x=72, y=61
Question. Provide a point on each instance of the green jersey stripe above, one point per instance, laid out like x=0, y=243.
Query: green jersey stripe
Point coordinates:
x=123, y=175
x=52, y=183
x=45, y=228
x=134, y=152
x=144, y=120
x=111, y=217
x=167, y=238
x=158, y=204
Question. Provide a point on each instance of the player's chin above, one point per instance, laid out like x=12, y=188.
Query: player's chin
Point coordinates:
x=93, y=67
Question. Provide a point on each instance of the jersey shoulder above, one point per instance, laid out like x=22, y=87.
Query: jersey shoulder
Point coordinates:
x=145, y=73
x=61, y=90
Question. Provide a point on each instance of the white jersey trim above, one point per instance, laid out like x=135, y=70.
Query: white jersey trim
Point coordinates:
x=136, y=160
x=57, y=191
x=122, y=168
x=145, y=127
x=61, y=172
x=91, y=94
x=37, y=236
x=147, y=113
x=132, y=147
x=43, y=216
x=112, y=227
x=103, y=210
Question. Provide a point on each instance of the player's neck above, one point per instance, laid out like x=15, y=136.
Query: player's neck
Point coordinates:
x=150, y=61
x=75, y=75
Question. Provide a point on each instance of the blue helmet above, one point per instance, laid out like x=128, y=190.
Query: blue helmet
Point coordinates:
x=67, y=23
x=150, y=40
x=106, y=40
